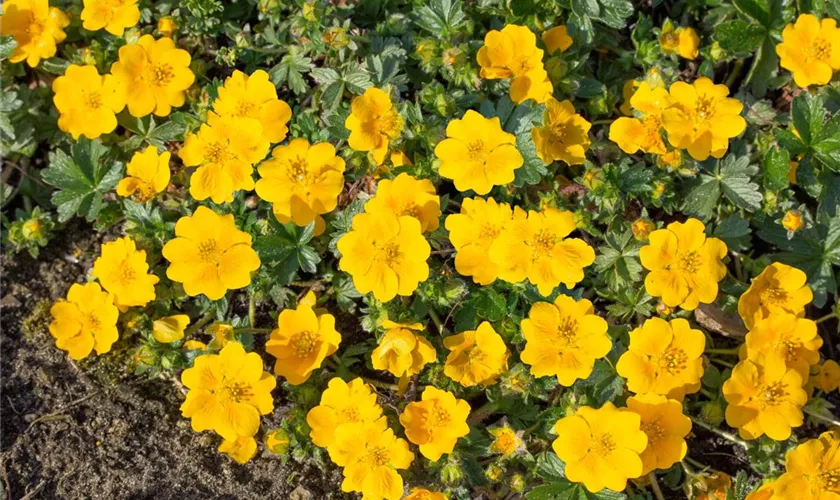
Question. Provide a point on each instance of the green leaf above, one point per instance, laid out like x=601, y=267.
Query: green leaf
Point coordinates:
x=614, y=13
x=489, y=304
x=775, y=167
x=618, y=260
x=788, y=141
x=550, y=467
x=740, y=37
x=604, y=384
x=286, y=251
x=734, y=231
x=290, y=70
x=440, y=17
x=808, y=116
x=827, y=152
x=735, y=176
x=757, y=10
x=765, y=64
x=7, y=46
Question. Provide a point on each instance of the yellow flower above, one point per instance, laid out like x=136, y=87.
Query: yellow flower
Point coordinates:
x=663, y=358
x=224, y=150
x=810, y=49
x=665, y=426
x=672, y=160
x=813, y=470
x=644, y=133
x=702, y=119
x=778, y=287
x=342, y=404
x=36, y=27
x=113, y=15
x=763, y=401
x=301, y=342
x=793, y=167
x=155, y=75
x=122, y=270
x=513, y=53
x=424, y=494
x=210, y=255
x=277, y=441
x=557, y=38
x=793, y=221
x=87, y=102
x=373, y=123
x=472, y=232
x=564, y=135
x=564, y=339
x=627, y=92
x=371, y=456
x=828, y=378
x=505, y=441
x=228, y=392
x=302, y=181
x=170, y=329
x=477, y=154
x=254, y=96
x=167, y=26
x=385, y=254
x=242, y=449
x=682, y=41
x=86, y=321
x=534, y=85
x=436, y=422
x=642, y=229
x=782, y=341
x=477, y=357
x=401, y=351
x=536, y=248
x=685, y=266
x=195, y=345
x=407, y=195
x=601, y=448
x=765, y=492
x=713, y=486
x=222, y=334
x=147, y=174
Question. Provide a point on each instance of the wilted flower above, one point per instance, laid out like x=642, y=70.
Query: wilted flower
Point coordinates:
x=301, y=342
x=86, y=321
x=147, y=174
x=341, y=404
x=793, y=221
x=124, y=272
x=642, y=229
x=477, y=357
x=87, y=102
x=436, y=422
x=36, y=27
x=506, y=441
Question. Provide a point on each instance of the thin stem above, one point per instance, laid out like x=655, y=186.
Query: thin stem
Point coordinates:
x=602, y=122
x=382, y=385
x=253, y=330
x=654, y=484
x=693, y=462
x=483, y=412
x=436, y=320
x=722, y=362
x=198, y=325
x=739, y=272
x=724, y=435
x=826, y=317
x=736, y=70
x=444, y=251
x=733, y=351
x=821, y=417
x=252, y=310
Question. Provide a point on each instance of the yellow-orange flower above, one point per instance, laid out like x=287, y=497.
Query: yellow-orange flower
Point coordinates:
x=242, y=449
x=564, y=135
x=407, y=195
x=557, y=38
x=763, y=401
x=147, y=174
x=424, y=494
x=167, y=26
x=436, y=422
x=828, y=377
x=373, y=123
x=228, y=392
x=513, y=53
x=627, y=91
x=113, y=15
x=254, y=96
x=477, y=154
x=170, y=329
x=702, y=119
x=155, y=75
x=87, y=102
x=810, y=49
x=122, y=270
x=86, y=321
x=36, y=27
x=564, y=339
x=681, y=41
x=642, y=228
x=477, y=357
x=665, y=426
x=765, y=492
x=664, y=358
x=506, y=441
x=341, y=404
x=793, y=221
x=813, y=470
x=643, y=133
x=685, y=266
x=537, y=248
x=778, y=287
x=401, y=351
x=601, y=448
x=210, y=255
x=385, y=254
x=782, y=341
x=301, y=342
x=713, y=486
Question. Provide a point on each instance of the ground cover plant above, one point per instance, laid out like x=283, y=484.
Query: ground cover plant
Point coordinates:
x=479, y=249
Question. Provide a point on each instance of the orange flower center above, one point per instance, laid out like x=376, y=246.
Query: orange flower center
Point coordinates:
x=390, y=254
x=377, y=456
x=505, y=442
x=673, y=361
x=304, y=343
x=244, y=108
x=351, y=414
x=92, y=321
x=34, y=27
x=144, y=192
x=774, y=295
x=217, y=152
x=93, y=99
x=653, y=431
x=567, y=330
x=543, y=243
x=488, y=232
x=162, y=74
x=389, y=124
x=821, y=49
x=705, y=108
x=297, y=171
x=125, y=275
x=689, y=262
x=830, y=480
x=209, y=252
x=603, y=445
x=408, y=208
x=435, y=417
x=235, y=392
x=772, y=394
x=477, y=151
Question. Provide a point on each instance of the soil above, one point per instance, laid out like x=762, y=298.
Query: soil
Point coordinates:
x=90, y=430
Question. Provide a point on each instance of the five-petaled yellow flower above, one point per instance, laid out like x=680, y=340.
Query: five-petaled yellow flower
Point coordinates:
x=170, y=329
x=557, y=38
x=564, y=339
x=643, y=133
x=87, y=102
x=828, y=376
x=813, y=470
x=681, y=41
x=225, y=150
x=228, y=392
x=401, y=351
x=301, y=342
x=436, y=422
x=86, y=321
x=665, y=426
x=242, y=449
x=407, y=195
x=373, y=123
x=663, y=358
x=122, y=270
x=155, y=75
x=477, y=357
x=702, y=119
x=537, y=248
x=601, y=448
x=113, y=15
x=564, y=135
x=342, y=403
x=763, y=401
x=477, y=154
x=778, y=287
x=513, y=53
x=254, y=96
x=782, y=341
x=302, y=181
x=147, y=174
x=385, y=254
x=209, y=255
x=36, y=27
x=810, y=49
x=685, y=266
x=506, y=441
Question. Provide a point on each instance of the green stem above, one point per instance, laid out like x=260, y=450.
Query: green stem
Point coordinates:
x=693, y=462
x=733, y=351
x=253, y=330
x=722, y=362
x=252, y=310
x=436, y=320
x=823, y=418
x=826, y=317
x=654, y=484
x=198, y=325
x=601, y=122
x=382, y=385
x=725, y=435
x=736, y=70
x=483, y=412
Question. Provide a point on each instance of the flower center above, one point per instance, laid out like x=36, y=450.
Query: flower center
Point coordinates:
x=821, y=49
x=567, y=330
x=543, y=243
x=435, y=417
x=162, y=74
x=772, y=394
x=34, y=27
x=390, y=254
x=476, y=356
x=603, y=445
x=830, y=480
x=673, y=361
x=653, y=431
x=125, y=275
x=505, y=443
x=774, y=295
x=304, y=343
x=390, y=123
x=244, y=108
x=93, y=322
x=690, y=262
x=377, y=456
x=488, y=232
x=297, y=171
x=351, y=414
x=209, y=252
x=236, y=392
x=705, y=108
x=217, y=152
x=476, y=151
x=93, y=99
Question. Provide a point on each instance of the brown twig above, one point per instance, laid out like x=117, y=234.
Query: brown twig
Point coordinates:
x=63, y=409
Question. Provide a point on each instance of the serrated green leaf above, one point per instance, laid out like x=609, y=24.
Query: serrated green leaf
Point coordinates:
x=7, y=46
x=808, y=116
x=775, y=167
x=740, y=37
x=757, y=10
